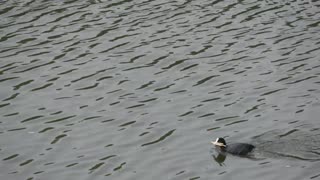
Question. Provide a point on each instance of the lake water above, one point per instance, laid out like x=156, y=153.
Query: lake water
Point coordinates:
x=129, y=89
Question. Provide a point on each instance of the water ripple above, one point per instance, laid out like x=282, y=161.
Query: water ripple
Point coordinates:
x=160, y=139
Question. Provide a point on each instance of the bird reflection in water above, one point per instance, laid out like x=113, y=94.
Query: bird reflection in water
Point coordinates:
x=220, y=158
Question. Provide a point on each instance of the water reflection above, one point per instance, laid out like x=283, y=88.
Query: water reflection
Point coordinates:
x=220, y=158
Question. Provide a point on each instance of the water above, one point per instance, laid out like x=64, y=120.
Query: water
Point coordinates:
x=294, y=144
x=138, y=89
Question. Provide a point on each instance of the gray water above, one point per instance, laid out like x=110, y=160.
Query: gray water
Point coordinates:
x=137, y=89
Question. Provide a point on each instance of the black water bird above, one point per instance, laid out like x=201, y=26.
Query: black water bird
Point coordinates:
x=240, y=149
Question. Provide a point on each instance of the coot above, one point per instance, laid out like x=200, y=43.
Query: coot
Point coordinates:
x=241, y=149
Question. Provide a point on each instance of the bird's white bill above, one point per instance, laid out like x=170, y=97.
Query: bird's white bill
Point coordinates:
x=218, y=144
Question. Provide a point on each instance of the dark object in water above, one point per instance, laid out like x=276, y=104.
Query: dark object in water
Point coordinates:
x=240, y=149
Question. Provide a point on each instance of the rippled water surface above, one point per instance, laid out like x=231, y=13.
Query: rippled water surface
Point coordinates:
x=123, y=89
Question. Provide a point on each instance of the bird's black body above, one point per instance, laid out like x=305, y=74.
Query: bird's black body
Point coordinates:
x=241, y=149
